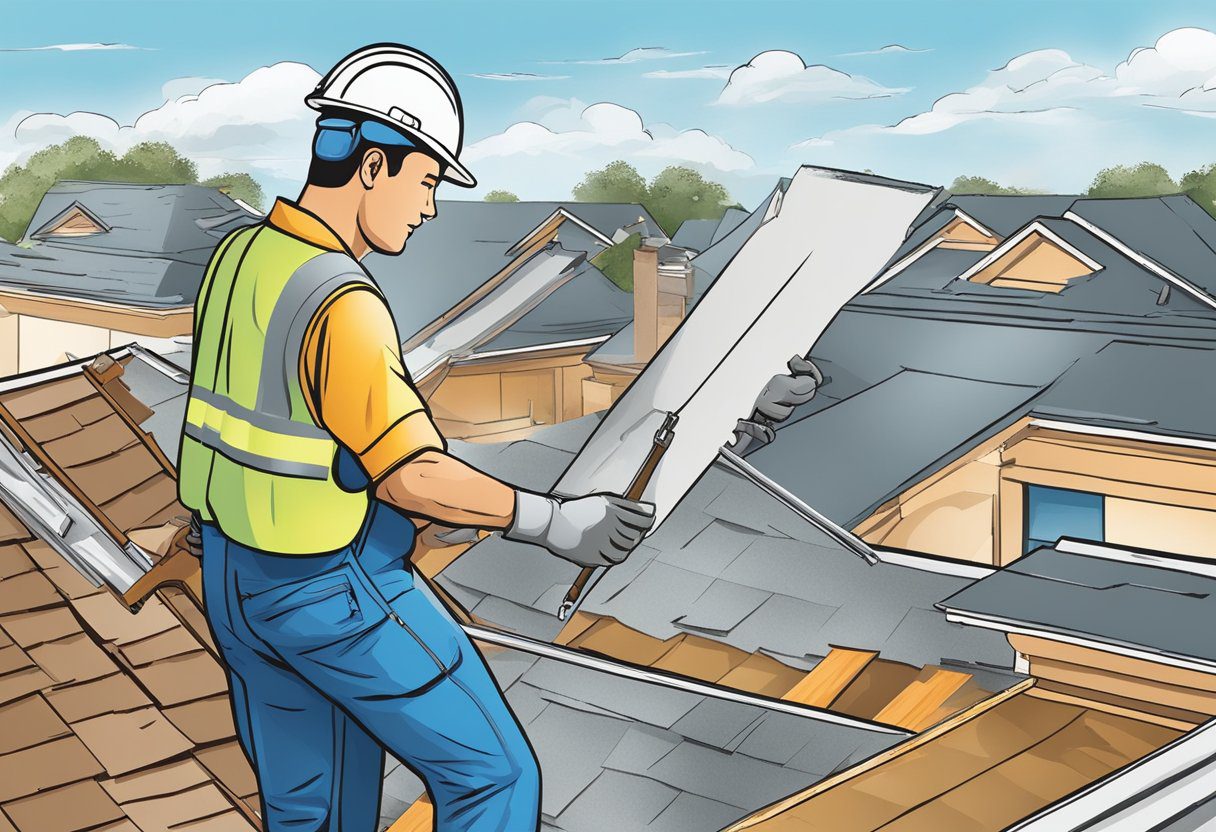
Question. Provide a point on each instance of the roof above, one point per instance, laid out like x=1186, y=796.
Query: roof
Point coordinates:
x=1086, y=591
x=467, y=243
x=152, y=254
x=885, y=438
x=696, y=234
x=108, y=715
x=619, y=753
x=735, y=565
x=587, y=306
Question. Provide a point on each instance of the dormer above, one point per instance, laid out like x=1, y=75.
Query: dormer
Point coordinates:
x=1036, y=258
x=964, y=232
x=73, y=221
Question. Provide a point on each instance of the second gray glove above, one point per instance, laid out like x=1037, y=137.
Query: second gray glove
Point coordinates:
x=596, y=530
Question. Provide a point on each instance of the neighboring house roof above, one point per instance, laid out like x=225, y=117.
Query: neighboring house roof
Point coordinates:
x=729, y=222
x=467, y=243
x=149, y=251
x=696, y=234
x=1084, y=591
x=588, y=306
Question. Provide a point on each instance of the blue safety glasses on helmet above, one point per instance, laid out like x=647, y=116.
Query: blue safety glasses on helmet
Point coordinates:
x=337, y=138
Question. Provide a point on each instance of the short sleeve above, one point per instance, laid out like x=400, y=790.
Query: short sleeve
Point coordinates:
x=358, y=388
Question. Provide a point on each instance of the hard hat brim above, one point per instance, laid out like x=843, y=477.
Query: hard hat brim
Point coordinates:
x=453, y=172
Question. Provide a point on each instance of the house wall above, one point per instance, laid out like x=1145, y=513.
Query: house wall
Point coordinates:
x=603, y=387
x=1156, y=496
x=494, y=400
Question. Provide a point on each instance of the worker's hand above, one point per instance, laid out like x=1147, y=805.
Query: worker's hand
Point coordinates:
x=786, y=391
x=596, y=530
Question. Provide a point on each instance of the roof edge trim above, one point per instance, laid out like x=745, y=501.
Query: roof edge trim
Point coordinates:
x=1159, y=270
x=1122, y=433
x=523, y=241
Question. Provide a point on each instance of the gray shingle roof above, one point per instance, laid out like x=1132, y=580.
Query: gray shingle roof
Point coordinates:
x=158, y=240
x=589, y=305
x=1064, y=592
x=618, y=754
x=467, y=243
x=733, y=564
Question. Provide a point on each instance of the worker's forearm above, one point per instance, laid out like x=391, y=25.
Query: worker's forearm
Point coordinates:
x=440, y=487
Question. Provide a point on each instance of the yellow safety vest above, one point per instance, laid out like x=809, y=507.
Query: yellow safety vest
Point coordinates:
x=253, y=460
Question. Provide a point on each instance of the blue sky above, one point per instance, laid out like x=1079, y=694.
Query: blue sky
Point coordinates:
x=1069, y=103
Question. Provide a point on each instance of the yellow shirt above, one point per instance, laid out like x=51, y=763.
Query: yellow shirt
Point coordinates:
x=351, y=368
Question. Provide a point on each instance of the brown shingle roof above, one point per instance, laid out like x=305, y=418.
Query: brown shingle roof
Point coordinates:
x=112, y=719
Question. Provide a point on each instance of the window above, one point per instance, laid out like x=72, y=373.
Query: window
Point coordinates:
x=1052, y=513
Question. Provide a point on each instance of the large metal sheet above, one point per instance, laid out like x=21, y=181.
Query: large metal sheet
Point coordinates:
x=832, y=234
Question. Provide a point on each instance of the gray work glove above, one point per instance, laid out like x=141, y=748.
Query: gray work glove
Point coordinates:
x=596, y=530
x=786, y=391
x=775, y=403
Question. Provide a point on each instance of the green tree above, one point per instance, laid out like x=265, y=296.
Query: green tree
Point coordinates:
x=1200, y=185
x=982, y=185
x=618, y=182
x=1144, y=179
x=240, y=186
x=616, y=261
x=500, y=196
x=678, y=194
x=674, y=195
x=82, y=157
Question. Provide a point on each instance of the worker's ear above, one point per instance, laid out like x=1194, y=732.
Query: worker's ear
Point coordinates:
x=373, y=163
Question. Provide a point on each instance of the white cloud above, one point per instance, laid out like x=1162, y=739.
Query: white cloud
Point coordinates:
x=562, y=139
x=191, y=85
x=718, y=72
x=72, y=47
x=633, y=56
x=779, y=76
x=1049, y=87
x=259, y=124
x=889, y=49
x=516, y=76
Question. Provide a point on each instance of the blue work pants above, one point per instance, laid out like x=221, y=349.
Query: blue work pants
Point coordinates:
x=333, y=659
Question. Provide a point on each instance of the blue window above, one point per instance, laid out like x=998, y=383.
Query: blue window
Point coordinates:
x=1052, y=513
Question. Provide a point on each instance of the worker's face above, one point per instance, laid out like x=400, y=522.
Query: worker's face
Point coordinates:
x=393, y=206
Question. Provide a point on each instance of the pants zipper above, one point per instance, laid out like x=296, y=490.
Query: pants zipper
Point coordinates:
x=375, y=593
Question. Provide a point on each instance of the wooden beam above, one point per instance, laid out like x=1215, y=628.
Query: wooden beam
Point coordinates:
x=144, y=438
x=828, y=679
x=420, y=817
x=962, y=717
x=916, y=705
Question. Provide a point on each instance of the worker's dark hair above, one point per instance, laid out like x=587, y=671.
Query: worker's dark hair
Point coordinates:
x=327, y=174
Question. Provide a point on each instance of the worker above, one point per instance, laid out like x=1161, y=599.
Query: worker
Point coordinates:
x=306, y=456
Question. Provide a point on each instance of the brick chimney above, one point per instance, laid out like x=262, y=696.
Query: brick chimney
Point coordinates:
x=662, y=287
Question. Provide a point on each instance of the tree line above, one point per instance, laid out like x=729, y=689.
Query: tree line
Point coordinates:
x=82, y=157
x=1144, y=179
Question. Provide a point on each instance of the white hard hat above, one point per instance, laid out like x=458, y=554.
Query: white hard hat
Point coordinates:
x=404, y=88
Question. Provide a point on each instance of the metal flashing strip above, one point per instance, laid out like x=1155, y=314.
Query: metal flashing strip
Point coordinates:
x=1121, y=247
x=641, y=674
x=1147, y=794
x=157, y=362
x=1162, y=560
x=1119, y=648
x=580, y=342
x=1122, y=433
x=838, y=533
x=957, y=569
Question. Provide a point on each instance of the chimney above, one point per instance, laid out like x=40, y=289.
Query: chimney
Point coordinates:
x=662, y=286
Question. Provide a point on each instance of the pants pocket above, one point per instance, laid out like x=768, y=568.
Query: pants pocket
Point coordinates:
x=307, y=612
